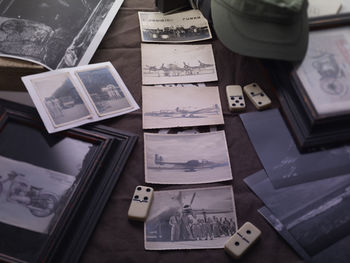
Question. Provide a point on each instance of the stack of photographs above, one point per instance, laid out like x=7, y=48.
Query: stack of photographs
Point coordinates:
x=306, y=196
x=72, y=97
x=198, y=218
x=186, y=158
x=169, y=107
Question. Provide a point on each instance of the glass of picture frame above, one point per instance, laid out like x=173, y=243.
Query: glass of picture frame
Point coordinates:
x=53, y=188
x=315, y=94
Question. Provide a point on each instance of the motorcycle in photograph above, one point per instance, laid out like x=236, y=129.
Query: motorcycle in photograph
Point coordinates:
x=39, y=202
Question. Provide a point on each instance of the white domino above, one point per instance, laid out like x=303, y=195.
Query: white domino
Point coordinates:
x=235, y=98
x=257, y=96
x=140, y=203
x=243, y=239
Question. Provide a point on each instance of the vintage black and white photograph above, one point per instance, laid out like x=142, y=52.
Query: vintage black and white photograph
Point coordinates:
x=67, y=98
x=186, y=158
x=180, y=27
x=163, y=63
x=167, y=107
x=324, y=73
x=198, y=218
x=313, y=214
x=55, y=34
x=61, y=99
x=32, y=197
x=106, y=94
x=279, y=155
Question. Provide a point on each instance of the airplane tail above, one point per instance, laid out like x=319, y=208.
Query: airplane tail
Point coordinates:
x=158, y=159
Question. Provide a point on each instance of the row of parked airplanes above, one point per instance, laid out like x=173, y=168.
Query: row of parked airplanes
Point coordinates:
x=175, y=68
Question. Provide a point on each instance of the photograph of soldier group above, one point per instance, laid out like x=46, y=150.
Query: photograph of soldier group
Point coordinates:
x=187, y=226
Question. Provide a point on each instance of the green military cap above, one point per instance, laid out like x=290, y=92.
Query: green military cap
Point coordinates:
x=276, y=29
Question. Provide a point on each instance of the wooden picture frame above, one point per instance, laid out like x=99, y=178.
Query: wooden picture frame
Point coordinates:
x=310, y=123
x=94, y=155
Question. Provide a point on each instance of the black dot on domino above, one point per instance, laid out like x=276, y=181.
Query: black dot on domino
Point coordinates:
x=237, y=101
x=242, y=104
x=145, y=198
x=139, y=188
x=248, y=232
x=259, y=102
x=262, y=95
x=240, y=98
x=136, y=197
x=237, y=243
x=254, y=85
x=148, y=190
x=252, y=93
x=233, y=104
x=232, y=97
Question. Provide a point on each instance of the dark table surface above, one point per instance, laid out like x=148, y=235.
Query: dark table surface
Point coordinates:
x=115, y=238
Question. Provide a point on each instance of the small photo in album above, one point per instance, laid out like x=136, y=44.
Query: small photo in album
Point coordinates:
x=61, y=99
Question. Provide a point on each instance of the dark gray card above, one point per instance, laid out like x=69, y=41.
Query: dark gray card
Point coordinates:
x=283, y=162
x=314, y=214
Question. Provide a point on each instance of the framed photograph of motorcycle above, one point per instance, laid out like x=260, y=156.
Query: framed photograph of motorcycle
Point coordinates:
x=53, y=187
x=315, y=94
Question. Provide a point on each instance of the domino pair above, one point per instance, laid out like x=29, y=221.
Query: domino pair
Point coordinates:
x=256, y=95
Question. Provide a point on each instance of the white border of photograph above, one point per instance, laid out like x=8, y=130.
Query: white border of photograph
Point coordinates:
x=181, y=27
x=186, y=158
x=165, y=64
x=120, y=90
x=170, y=107
x=27, y=80
x=190, y=203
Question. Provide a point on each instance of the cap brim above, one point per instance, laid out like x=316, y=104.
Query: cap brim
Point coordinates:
x=262, y=39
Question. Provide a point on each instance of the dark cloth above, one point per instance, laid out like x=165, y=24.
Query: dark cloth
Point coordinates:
x=115, y=238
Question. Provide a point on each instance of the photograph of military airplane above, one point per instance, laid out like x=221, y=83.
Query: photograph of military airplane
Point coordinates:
x=191, y=219
x=165, y=64
x=172, y=70
x=186, y=113
x=180, y=27
x=186, y=158
x=168, y=107
x=189, y=166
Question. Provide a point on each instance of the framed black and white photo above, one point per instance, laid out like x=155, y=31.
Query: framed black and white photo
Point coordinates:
x=53, y=187
x=315, y=94
x=180, y=27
